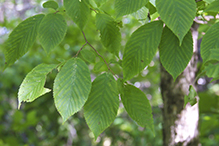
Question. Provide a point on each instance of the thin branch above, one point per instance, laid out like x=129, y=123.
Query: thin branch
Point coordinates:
x=97, y=53
x=94, y=10
x=80, y=49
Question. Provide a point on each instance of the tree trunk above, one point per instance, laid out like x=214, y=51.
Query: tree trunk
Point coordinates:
x=180, y=125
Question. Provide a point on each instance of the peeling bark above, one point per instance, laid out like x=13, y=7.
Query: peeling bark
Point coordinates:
x=180, y=125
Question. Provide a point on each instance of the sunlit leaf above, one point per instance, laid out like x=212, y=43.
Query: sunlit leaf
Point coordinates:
x=32, y=86
x=102, y=105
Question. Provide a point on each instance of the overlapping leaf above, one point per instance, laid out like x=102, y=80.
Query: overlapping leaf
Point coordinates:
x=124, y=7
x=32, y=86
x=212, y=71
x=141, y=48
x=71, y=87
x=88, y=56
x=110, y=34
x=213, y=7
x=173, y=57
x=138, y=106
x=78, y=10
x=21, y=39
x=52, y=31
x=178, y=15
x=191, y=97
x=210, y=41
x=102, y=105
x=50, y=4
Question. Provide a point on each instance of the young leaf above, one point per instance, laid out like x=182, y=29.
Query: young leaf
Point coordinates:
x=191, y=97
x=110, y=34
x=32, y=86
x=178, y=15
x=138, y=106
x=213, y=7
x=124, y=7
x=173, y=57
x=99, y=66
x=78, y=10
x=88, y=55
x=141, y=48
x=102, y=105
x=209, y=42
x=71, y=87
x=52, y=31
x=50, y=4
x=21, y=39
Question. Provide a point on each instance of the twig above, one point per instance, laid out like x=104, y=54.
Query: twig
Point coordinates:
x=97, y=53
x=80, y=49
x=94, y=10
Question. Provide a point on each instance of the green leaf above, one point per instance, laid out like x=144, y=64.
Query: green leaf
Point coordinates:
x=124, y=7
x=138, y=107
x=100, y=66
x=141, y=48
x=120, y=85
x=212, y=70
x=191, y=97
x=88, y=55
x=214, y=54
x=32, y=86
x=213, y=7
x=78, y=10
x=173, y=57
x=208, y=1
x=210, y=41
x=52, y=31
x=50, y=4
x=178, y=15
x=151, y=8
x=71, y=87
x=102, y=105
x=100, y=2
x=141, y=15
x=21, y=39
x=110, y=34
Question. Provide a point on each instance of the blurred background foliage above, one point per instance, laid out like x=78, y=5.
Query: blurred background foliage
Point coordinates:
x=38, y=123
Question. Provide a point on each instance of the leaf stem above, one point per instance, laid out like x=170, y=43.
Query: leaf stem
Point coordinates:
x=96, y=52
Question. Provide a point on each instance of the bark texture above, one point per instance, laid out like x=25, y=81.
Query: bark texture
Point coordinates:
x=180, y=125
